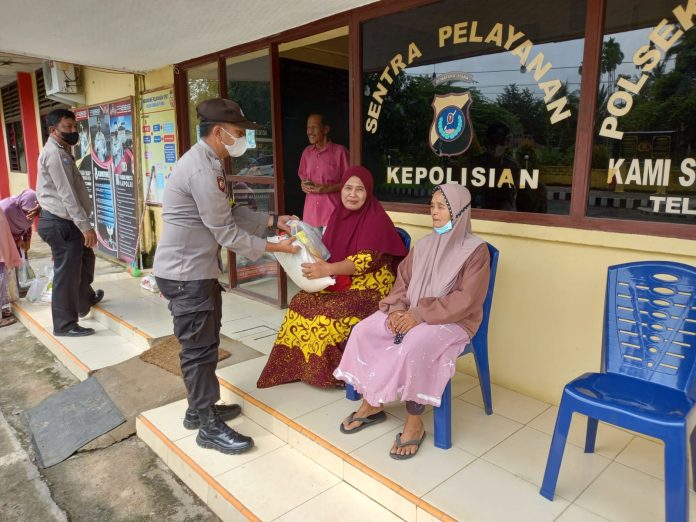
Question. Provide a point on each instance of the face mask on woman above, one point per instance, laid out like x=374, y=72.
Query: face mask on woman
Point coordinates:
x=444, y=228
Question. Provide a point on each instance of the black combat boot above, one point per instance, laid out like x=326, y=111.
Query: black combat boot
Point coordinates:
x=225, y=412
x=215, y=434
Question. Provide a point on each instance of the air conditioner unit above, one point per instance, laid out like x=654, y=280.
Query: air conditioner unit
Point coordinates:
x=62, y=83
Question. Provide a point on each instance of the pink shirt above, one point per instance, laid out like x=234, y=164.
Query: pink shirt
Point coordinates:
x=325, y=167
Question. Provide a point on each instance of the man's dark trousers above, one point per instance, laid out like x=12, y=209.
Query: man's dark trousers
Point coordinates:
x=73, y=270
x=196, y=307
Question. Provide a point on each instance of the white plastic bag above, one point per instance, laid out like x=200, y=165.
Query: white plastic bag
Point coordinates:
x=308, y=236
x=149, y=283
x=25, y=274
x=36, y=289
x=47, y=292
x=292, y=264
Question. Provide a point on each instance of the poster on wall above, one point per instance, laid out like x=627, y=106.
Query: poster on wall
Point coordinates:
x=104, y=211
x=83, y=155
x=124, y=178
x=105, y=159
x=159, y=154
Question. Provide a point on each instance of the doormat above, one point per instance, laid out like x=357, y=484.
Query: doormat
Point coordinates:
x=69, y=419
x=165, y=354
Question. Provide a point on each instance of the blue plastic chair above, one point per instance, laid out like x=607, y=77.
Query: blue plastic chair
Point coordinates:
x=479, y=347
x=405, y=237
x=647, y=383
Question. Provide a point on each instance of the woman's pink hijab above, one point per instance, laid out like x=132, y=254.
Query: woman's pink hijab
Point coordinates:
x=8, y=250
x=438, y=258
x=16, y=208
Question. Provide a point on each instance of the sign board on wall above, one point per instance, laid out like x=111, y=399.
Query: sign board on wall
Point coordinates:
x=104, y=157
x=158, y=150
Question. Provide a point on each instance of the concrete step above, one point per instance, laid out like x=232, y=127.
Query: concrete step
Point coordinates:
x=80, y=355
x=273, y=481
x=127, y=331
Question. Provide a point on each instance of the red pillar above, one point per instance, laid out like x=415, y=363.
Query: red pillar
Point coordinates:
x=29, y=109
x=4, y=169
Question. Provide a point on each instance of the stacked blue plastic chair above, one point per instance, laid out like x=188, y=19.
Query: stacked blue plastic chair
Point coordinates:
x=647, y=383
x=479, y=347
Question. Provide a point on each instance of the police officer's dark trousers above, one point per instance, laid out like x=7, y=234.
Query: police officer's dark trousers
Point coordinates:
x=73, y=270
x=196, y=307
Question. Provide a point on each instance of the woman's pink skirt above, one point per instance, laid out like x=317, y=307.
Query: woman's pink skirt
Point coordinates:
x=416, y=370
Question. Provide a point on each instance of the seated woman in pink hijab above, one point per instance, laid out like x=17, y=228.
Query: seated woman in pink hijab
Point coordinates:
x=407, y=351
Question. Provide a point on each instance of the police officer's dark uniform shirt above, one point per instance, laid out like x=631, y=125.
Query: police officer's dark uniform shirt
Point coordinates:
x=198, y=219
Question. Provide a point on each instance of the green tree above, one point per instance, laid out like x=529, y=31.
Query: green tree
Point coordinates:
x=612, y=57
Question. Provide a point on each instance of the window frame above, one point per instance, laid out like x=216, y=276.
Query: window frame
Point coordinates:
x=577, y=217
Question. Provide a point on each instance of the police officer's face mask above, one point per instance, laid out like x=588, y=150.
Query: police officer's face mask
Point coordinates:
x=239, y=146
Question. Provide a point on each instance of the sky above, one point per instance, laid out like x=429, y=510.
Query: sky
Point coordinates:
x=494, y=71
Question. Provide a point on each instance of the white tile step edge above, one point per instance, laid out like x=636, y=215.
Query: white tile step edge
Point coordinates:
x=62, y=353
x=79, y=366
x=221, y=500
x=382, y=490
x=123, y=328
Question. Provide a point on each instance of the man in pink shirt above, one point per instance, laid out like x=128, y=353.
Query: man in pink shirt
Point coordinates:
x=321, y=167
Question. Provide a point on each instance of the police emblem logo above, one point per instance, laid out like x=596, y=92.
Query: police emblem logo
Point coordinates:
x=451, y=131
x=221, y=183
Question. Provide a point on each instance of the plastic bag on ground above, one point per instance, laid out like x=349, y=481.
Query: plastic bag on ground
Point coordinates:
x=310, y=238
x=47, y=292
x=292, y=264
x=148, y=283
x=36, y=289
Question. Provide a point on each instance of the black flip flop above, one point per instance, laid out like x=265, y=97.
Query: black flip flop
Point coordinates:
x=375, y=418
x=399, y=444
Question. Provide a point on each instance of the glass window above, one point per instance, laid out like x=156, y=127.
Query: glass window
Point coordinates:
x=484, y=93
x=15, y=147
x=202, y=84
x=14, y=134
x=248, y=83
x=643, y=164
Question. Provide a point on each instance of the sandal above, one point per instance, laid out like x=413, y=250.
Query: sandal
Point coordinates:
x=399, y=444
x=375, y=418
x=7, y=321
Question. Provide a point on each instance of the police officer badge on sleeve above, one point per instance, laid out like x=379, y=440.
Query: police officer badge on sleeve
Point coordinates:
x=221, y=183
x=451, y=131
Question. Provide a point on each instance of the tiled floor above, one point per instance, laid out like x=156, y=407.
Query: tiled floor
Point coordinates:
x=495, y=468
x=492, y=472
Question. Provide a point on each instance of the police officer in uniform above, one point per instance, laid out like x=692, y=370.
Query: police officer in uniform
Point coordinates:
x=65, y=225
x=197, y=220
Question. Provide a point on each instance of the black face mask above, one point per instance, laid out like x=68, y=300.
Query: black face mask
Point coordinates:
x=71, y=138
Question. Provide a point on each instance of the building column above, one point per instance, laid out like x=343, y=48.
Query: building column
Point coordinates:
x=4, y=161
x=32, y=134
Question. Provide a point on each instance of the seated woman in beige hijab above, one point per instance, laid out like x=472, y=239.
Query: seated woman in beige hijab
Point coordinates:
x=408, y=350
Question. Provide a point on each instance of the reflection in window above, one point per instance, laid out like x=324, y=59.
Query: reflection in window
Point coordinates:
x=248, y=83
x=202, y=84
x=487, y=96
x=643, y=164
